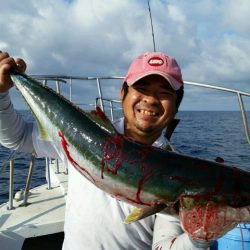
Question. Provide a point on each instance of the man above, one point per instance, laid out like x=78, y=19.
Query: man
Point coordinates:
x=150, y=96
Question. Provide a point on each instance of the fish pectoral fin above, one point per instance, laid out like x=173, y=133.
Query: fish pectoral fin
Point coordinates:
x=141, y=213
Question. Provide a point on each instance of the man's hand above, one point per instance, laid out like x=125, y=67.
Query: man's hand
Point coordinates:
x=6, y=64
x=207, y=223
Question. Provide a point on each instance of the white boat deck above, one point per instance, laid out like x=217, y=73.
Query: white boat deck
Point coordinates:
x=43, y=215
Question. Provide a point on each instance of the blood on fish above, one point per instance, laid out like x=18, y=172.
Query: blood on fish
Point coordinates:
x=217, y=189
x=112, y=149
x=65, y=144
x=194, y=182
x=142, y=181
x=207, y=223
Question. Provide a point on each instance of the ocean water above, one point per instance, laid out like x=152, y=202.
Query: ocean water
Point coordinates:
x=211, y=134
x=205, y=134
x=21, y=163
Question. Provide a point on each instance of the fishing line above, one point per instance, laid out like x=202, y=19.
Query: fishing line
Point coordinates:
x=152, y=27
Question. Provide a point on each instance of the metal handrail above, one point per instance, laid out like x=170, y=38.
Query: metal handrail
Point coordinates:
x=239, y=95
x=28, y=182
x=111, y=105
x=11, y=185
x=244, y=117
x=197, y=84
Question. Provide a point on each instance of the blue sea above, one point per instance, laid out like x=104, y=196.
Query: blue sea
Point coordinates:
x=205, y=134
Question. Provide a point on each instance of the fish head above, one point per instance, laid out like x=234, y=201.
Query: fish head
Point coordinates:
x=205, y=221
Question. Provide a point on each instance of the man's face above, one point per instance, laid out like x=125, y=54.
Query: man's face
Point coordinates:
x=148, y=107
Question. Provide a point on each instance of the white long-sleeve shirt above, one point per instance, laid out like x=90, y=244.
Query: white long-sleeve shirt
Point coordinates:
x=94, y=219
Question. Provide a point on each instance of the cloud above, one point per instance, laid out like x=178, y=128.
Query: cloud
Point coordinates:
x=236, y=16
x=209, y=38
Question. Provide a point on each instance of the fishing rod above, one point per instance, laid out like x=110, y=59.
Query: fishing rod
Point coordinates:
x=152, y=27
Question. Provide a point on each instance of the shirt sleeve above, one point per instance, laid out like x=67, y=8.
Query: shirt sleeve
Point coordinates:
x=15, y=133
x=46, y=148
x=168, y=235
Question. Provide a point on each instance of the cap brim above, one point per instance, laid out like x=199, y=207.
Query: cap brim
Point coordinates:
x=172, y=81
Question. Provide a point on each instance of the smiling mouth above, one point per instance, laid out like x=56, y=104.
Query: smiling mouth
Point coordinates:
x=147, y=112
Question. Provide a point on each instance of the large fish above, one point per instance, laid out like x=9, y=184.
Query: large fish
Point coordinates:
x=152, y=179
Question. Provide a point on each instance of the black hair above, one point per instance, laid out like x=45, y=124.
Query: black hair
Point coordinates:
x=179, y=94
x=125, y=90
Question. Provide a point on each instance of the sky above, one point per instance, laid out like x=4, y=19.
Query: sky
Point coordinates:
x=210, y=40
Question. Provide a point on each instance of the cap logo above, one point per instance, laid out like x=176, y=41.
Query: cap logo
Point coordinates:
x=155, y=61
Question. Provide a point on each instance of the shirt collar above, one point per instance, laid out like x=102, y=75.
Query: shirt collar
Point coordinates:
x=160, y=142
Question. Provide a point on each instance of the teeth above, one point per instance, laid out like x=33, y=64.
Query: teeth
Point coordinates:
x=146, y=112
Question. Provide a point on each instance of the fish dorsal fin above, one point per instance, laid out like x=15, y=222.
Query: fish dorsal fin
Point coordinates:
x=100, y=119
x=141, y=213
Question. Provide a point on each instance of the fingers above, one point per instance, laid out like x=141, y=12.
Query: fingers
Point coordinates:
x=21, y=65
x=8, y=63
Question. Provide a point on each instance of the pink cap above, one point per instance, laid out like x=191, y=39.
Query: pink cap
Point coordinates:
x=151, y=63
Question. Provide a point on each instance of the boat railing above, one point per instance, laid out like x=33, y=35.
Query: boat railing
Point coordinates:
x=111, y=103
x=104, y=102
x=238, y=94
